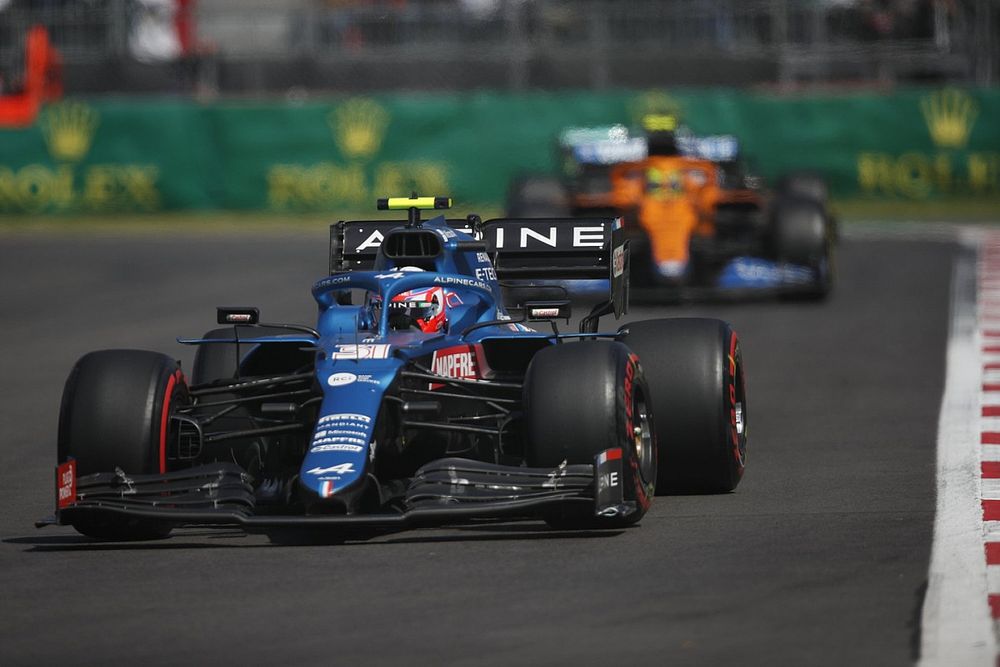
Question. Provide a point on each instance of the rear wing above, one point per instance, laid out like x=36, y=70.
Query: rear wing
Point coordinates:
x=354, y=243
x=522, y=249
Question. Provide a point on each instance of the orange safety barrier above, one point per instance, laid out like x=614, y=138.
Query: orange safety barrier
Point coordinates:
x=42, y=81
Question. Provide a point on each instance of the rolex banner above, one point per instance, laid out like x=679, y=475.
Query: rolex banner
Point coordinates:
x=106, y=155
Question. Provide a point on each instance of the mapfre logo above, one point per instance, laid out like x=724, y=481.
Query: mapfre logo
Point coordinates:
x=458, y=361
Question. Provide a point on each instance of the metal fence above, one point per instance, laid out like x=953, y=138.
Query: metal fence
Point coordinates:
x=83, y=31
x=274, y=45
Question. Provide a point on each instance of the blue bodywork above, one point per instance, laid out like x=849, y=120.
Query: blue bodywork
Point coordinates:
x=358, y=354
x=360, y=357
x=758, y=273
x=405, y=410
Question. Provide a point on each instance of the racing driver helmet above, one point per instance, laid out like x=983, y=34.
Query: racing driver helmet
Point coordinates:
x=424, y=308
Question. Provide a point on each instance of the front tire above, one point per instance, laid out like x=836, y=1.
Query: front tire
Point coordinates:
x=581, y=399
x=694, y=368
x=220, y=361
x=115, y=413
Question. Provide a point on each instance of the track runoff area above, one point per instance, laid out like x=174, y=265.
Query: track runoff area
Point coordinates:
x=961, y=611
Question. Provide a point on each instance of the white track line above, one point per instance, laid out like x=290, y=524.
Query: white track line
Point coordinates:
x=957, y=626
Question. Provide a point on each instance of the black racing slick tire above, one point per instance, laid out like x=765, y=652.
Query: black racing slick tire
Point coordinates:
x=115, y=413
x=801, y=234
x=694, y=369
x=642, y=271
x=214, y=361
x=219, y=361
x=581, y=399
x=805, y=184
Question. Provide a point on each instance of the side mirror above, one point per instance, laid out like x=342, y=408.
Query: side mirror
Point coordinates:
x=539, y=311
x=237, y=315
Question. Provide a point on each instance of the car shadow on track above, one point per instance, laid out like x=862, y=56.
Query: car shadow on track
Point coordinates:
x=237, y=539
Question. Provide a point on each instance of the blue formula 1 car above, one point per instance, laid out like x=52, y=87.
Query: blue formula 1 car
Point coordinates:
x=418, y=399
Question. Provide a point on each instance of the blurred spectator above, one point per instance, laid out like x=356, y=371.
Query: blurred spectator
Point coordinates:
x=154, y=37
x=184, y=24
x=480, y=10
x=879, y=18
x=338, y=25
x=243, y=44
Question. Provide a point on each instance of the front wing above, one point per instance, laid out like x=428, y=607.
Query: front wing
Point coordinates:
x=445, y=491
x=742, y=278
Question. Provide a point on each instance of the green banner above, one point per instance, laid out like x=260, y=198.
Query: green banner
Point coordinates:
x=106, y=155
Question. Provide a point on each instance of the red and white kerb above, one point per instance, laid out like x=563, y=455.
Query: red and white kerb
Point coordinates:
x=988, y=302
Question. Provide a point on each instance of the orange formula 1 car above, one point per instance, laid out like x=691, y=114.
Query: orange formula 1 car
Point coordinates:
x=698, y=223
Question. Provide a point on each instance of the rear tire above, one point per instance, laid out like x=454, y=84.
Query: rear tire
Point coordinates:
x=642, y=271
x=805, y=184
x=115, y=414
x=581, y=399
x=694, y=368
x=801, y=234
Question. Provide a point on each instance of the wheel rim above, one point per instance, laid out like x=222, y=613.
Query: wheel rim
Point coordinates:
x=642, y=437
x=740, y=407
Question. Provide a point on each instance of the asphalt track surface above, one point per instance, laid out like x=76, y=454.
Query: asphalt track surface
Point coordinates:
x=819, y=557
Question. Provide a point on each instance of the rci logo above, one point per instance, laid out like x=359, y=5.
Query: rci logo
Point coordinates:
x=950, y=116
x=68, y=130
x=358, y=127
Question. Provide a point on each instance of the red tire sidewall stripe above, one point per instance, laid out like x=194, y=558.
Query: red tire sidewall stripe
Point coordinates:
x=730, y=390
x=642, y=495
x=165, y=419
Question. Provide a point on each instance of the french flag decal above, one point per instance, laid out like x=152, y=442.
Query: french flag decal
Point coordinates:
x=609, y=455
x=326, y=489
